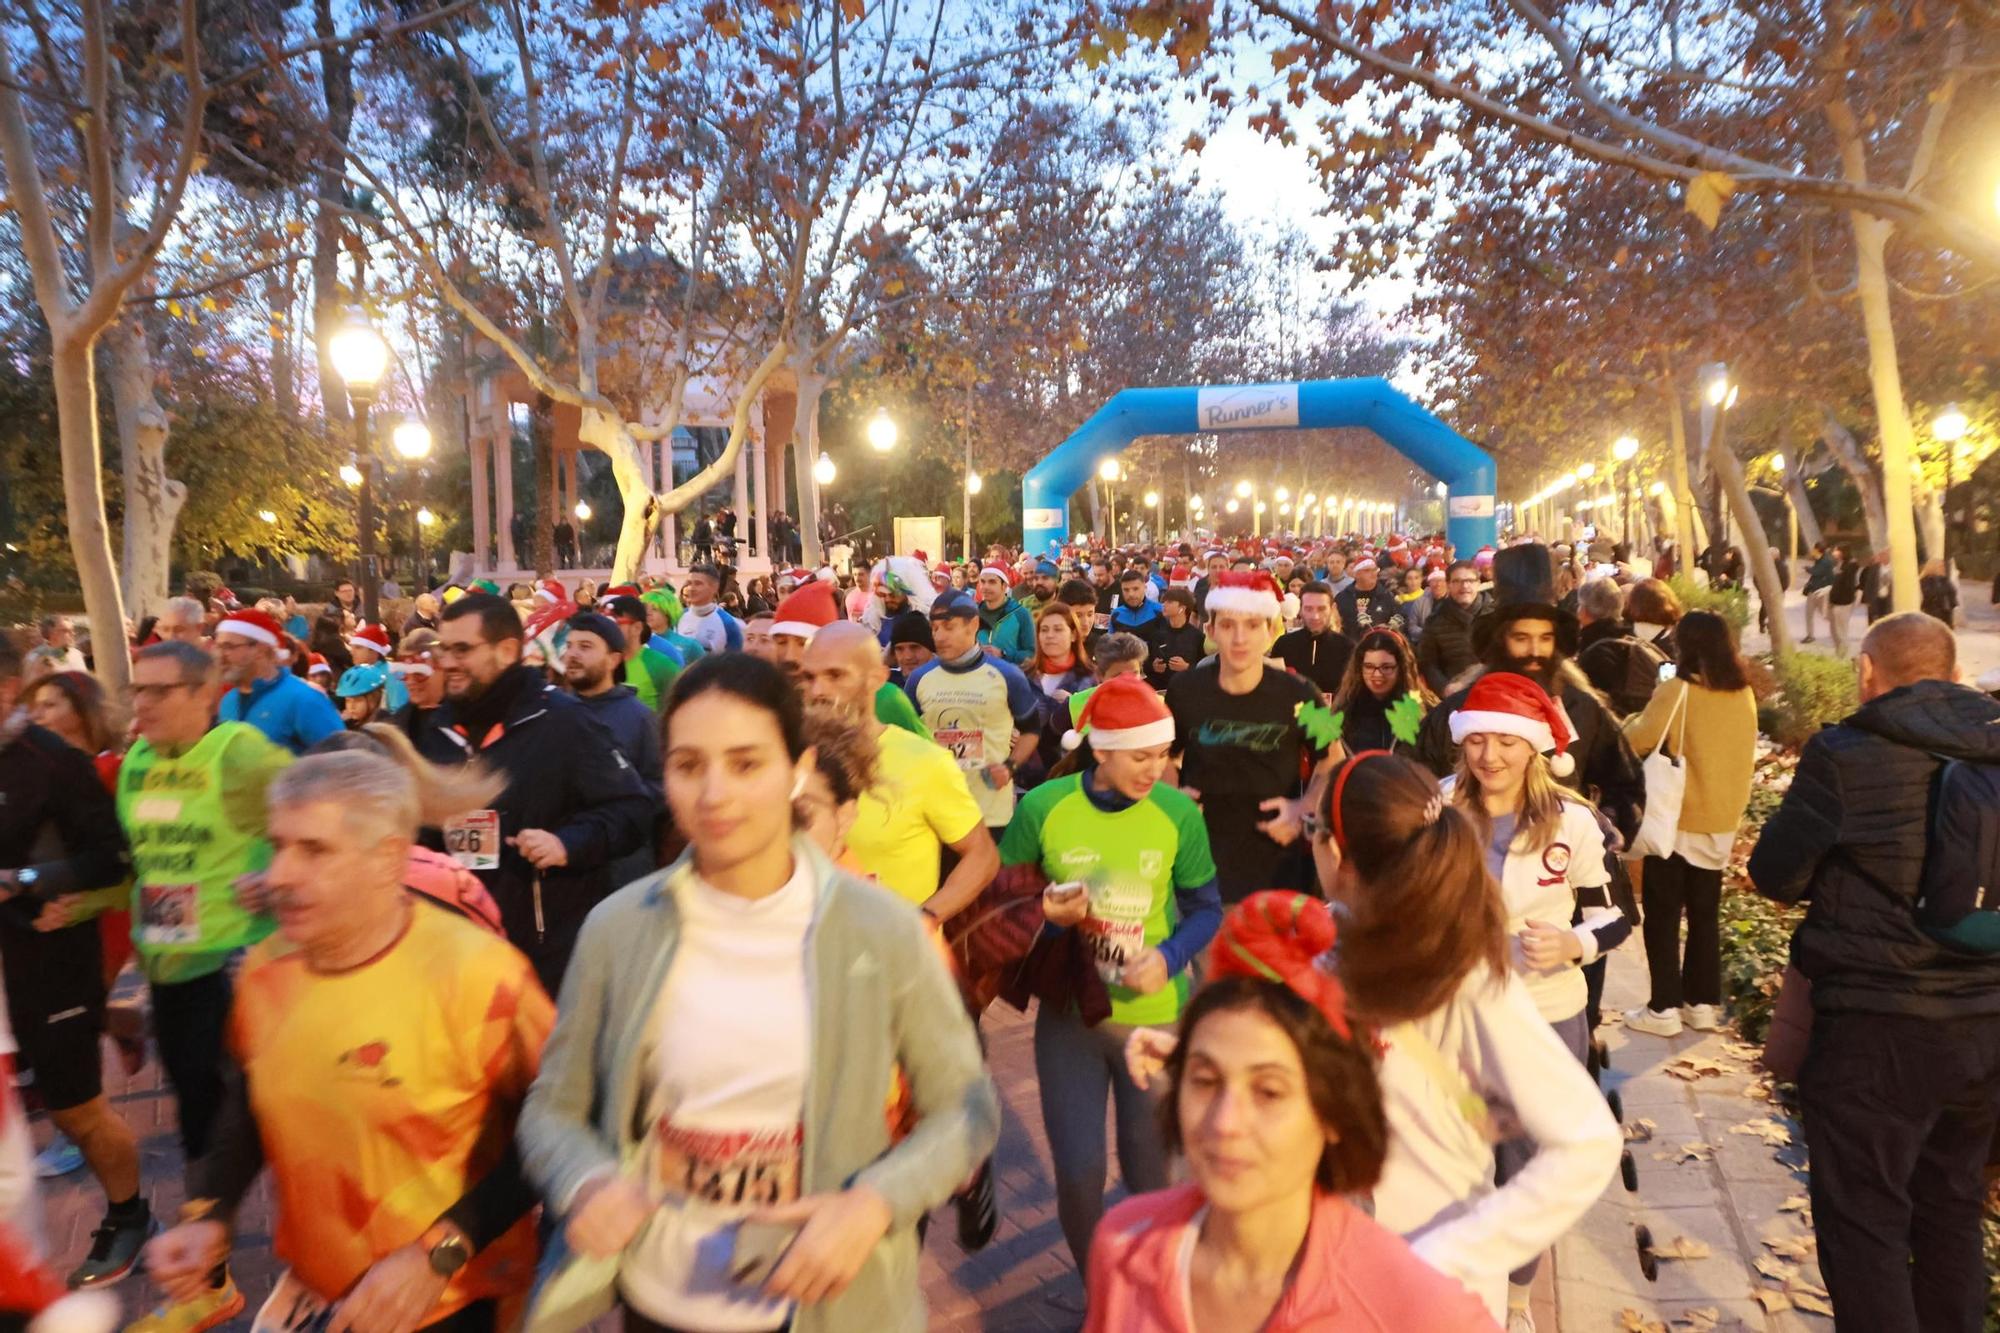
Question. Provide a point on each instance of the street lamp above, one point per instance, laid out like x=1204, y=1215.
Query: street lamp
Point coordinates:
x=350, y=474
x=1108, y=472
x=267, y=515
x=360, y=356
x=1282, y=493
x=412, y=438
x=1950, y=427
x=823, y=470
x=1232, y=506
x=974, y=483
x=424, y=520
x=1623, y=450
x=582, y=511
x=882, y=432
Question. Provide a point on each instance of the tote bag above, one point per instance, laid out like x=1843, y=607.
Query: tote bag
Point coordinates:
x=1666, y=784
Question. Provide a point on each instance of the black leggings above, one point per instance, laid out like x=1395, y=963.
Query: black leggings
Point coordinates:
x=1672, y=887
x=638, y=1323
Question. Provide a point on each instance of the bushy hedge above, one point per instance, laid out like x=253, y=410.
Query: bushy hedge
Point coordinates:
x=1813, y=691
x=1732, y=604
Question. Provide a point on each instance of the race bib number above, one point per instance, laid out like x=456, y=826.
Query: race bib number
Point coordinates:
x=1116, y=928
x=967, y=746
x=293, y=1309
x=473, y=839
x=168, y=915
x=156, y=809
x=747, y=1168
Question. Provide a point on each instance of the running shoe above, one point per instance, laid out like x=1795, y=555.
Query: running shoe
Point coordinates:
x=215, y=1307
x=114, y=1250
x=978, y=1210
x=1654, y=1022
x=1701, y=1017
x=58, y=1159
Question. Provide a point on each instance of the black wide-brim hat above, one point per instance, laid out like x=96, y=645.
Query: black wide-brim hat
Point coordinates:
x=1524, y=588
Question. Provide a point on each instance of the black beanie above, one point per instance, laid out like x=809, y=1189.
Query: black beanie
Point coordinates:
x=911, y=627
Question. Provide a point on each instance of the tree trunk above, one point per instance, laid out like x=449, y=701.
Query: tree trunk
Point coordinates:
x=805, y=456
x=1677, y=468
x=1840, y=442
x=1930, y=513
x=336, y=73
x=1795, y=488
x=72, y=365
x=152, y=499
x=278, y=295
x=1763, y=570
x=613, y=438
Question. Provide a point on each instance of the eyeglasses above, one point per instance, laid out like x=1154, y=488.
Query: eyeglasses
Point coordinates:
x=1374, y=669
x=456, y=652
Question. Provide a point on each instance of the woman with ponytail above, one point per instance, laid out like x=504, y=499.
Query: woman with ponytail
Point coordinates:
x=1272, y=1098
x=1464, y=1056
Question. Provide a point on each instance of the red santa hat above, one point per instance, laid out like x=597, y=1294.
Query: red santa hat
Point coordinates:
x=374, y=638
x=1512, y=705
x=1182, y=576
x=1124, y=713
x=805, y=611
x=318, y=666
x=1000, y=572
x=251, y=623
x=1365, y=562
x=549, y=590
x=1251, y=590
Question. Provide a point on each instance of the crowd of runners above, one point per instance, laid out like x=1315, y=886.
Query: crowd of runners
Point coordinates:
x=561, y=950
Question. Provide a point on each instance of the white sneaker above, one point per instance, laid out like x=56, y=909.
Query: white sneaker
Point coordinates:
x=1520, y=1320
x=1642, y=1019
x=1702, y=1017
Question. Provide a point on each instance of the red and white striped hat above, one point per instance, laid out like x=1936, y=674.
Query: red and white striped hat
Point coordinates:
x=374, y=638
x=1251, y=590
x=805, y=611
x=1124, y=713
x=551, y=591
x=1512, y=705
x=251, y=623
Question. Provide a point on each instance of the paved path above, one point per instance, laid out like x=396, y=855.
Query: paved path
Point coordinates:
x=1729, y=1195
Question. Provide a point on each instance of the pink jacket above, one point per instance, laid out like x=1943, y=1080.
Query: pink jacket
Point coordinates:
x=1355, y=1276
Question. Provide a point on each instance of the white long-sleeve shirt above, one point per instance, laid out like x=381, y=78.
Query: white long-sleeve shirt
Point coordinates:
x=1437, y=1183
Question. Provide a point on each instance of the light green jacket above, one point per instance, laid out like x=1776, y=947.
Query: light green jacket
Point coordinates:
x=880, y=997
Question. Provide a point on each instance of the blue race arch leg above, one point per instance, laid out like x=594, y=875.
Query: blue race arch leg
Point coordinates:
x=1467, y=471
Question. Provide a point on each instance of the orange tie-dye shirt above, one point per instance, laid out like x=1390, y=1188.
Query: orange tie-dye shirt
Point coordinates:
x=382, y=1094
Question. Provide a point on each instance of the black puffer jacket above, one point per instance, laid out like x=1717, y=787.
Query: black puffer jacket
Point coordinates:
x=1446, y=651
x=1849, y=839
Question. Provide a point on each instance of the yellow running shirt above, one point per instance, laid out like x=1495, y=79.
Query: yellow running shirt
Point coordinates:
x=382, y=1094
x=919, y=801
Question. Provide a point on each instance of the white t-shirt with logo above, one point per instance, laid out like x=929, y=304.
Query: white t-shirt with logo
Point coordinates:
x=727, y=1079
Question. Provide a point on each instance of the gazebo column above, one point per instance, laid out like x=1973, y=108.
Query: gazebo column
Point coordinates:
x=742, y=500
x=482, y=495
x=762, y=477
x=503, y=485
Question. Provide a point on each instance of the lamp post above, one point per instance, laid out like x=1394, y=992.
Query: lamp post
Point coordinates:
x=1194, y=508
x=412, y=439
x=1108, y=472
x=360, y=357
x=823, y=470
x=1950, y=427
x=424, y=519
x=1624, y=449
x=974, y=484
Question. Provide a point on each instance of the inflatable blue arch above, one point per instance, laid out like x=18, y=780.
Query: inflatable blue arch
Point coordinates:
x=1466, y=470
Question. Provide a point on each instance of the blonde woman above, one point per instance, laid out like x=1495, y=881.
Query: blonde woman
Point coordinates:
x=1546, y=848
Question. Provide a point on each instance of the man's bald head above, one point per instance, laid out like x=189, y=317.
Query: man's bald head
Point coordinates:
x=1905, y=648
x=842, y=669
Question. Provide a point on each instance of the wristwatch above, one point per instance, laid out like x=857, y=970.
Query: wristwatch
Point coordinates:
x=447, y=1247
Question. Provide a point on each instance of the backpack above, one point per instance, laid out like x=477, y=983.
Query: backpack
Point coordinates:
x=1958, y=894
x=1633, y=673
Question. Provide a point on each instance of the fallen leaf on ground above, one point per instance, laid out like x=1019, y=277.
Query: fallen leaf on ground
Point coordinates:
x=1631, y=1321
x=1791, y=1247
x=1775, y=1269
x=1811, y=1304
x=1702, y=1320
x=1682, y=1247
x=1798, y=1203
x=1640, y=1131
x=1767, y=1129
x=1773, y=1301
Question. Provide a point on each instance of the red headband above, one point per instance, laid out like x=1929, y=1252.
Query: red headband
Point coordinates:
x=1339, y=786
